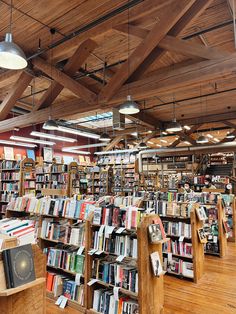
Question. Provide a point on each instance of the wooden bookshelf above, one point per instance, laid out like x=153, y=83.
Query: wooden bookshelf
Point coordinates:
x=28, y=179
x=197, y=256
x=150, y=294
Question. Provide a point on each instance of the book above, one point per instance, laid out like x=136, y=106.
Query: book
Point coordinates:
x=156, y=264
x=201, y=214
x=18, y=265
x=154, y=232
x=202, y=235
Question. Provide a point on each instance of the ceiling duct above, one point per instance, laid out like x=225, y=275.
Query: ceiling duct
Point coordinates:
x=118, y=122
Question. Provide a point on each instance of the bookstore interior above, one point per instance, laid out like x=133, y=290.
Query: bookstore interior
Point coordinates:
x=118, y=157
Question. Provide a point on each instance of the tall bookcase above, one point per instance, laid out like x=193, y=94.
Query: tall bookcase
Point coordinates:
x=150, y=294
x=28, y=177
x=184, y=254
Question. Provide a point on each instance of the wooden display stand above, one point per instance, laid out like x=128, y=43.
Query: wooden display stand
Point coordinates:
x=222, y=234
x=150, y=295
x=26, y=165
x=28, y=298
x=233, y=238
x=198, y=248
x=73, y=169
x=151, y=288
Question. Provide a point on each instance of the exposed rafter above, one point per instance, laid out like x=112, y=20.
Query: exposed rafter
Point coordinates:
x=113, y=143
x=186, y=135
x=71, y=67
x=15, y=93
x=78, y=89
x=197, y=8
x=168, y=17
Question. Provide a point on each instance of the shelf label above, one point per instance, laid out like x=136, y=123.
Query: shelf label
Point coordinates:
x=181, y=239
x=101, y=229
x=63, y=302
x=92, y=281
x=116, y=293
x=59, y=300
x=120, y=258
x=91, y=252
x=80, y=250
x=108, y=231
x=169, y=257
x=99, y=252
x=120, y=230
x=77, y=279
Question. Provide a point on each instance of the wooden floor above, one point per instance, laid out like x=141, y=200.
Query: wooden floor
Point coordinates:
x=214, y=294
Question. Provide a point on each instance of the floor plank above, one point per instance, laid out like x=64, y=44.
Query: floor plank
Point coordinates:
x=214, y=294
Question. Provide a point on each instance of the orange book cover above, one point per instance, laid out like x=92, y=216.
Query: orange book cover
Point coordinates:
x=50, y=278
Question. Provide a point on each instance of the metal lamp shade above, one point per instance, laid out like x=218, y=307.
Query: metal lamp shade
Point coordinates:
x=202, y=139
x=104, y=137
x=174, y=126
x=11, y=56
x=129, y=106
x=50, y=125
x=142, y=145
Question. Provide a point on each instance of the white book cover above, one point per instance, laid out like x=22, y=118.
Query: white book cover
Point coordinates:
x=96, y=299
x=156, y=264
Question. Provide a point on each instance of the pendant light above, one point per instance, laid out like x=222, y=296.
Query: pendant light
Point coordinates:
x=50, y=125
x=105, y=137
x=230, y=135
x=174, y=126
x=11, y=55
x=143, y=145
x=202, y=139
x=129, y=106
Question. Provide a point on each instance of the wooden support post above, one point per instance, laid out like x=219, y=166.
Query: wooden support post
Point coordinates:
x=151, y=288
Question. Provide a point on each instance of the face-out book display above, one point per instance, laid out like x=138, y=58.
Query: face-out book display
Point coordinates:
x=18, y=265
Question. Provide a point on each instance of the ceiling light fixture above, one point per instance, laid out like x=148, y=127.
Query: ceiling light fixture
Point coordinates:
x=209, y=135
x=77, y=132
x=105, y=137
x=80, y=152
x=53, y=136
x=118, y=151
x=17, y=143
x=31, y=140
x=230, y=135
x=50, y=125
x=143, y=145
x=163, y=141
x=64, y=149
x=186, y=127
x=174, y=126
x=158, y=145
x=150, y=142
x=216, y=139
x=187, y=143
x=11, y=55
x=129, y=106
x=202, y=139
x=164, y=133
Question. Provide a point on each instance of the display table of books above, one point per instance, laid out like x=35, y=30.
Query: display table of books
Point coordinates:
x=22, y=289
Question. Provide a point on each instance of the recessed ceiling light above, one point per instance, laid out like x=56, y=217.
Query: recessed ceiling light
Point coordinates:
x=209, y=135
x=158, y=145
x=186, y=127
x=216, y=139
x=31, y=140
x=150, y=142
x=163, y=141
x=186, y=142
x=164, y=133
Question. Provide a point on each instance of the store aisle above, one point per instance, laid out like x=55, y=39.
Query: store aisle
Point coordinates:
x=214, y=294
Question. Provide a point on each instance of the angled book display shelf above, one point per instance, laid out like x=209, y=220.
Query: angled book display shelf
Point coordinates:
x=27, y=298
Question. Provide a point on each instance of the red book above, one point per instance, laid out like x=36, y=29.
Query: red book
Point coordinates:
x=82, y=211
x=115, y=217
x=104, y=212
x=50, y=278
x=134, y=215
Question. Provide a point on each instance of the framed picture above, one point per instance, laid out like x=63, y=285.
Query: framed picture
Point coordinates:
x=47, y=154
x=201, y=214
x=8, y=153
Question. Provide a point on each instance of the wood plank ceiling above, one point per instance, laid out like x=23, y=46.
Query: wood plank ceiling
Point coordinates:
x=161, y=51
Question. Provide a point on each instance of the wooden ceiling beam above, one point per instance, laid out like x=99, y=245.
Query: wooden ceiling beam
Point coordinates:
x=230, y=124
x=168, y=17
x=171, y=43
x=146, y=138
x=221, y=117
x=113, y=143
x=9, y=77
x=15, y=93
x=71, y=67
x=186, y=135
x=197, y=8
x=63, y=51
x=78, y=89
x=172, y=79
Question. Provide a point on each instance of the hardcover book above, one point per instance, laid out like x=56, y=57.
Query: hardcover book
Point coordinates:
x=18, y=265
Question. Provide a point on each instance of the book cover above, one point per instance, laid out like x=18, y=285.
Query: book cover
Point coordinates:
x=156, y=264
x=18, y=265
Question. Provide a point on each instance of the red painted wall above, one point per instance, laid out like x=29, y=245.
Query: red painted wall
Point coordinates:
x=39, y=150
